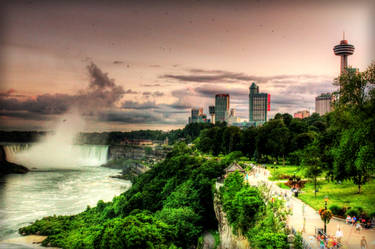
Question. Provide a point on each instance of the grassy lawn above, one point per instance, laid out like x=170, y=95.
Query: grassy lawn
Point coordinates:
x=344, y=194
x=282, y=185
x=280, y=171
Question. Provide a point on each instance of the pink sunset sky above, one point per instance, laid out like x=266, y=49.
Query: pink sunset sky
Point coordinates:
x=145, y=64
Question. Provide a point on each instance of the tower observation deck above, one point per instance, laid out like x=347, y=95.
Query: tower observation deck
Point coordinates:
x=344, y=49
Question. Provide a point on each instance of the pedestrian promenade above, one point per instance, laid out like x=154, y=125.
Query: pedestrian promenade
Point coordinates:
x=305, y=219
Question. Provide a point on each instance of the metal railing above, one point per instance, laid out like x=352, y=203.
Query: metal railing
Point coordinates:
x=305, y=244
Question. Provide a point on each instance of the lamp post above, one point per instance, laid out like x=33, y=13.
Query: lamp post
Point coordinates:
x=325, y=209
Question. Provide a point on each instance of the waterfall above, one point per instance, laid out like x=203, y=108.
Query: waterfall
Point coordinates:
x=40, y=156
x=93, y=155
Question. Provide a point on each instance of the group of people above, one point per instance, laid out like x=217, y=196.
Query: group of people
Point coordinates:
x=358, y=223
x=328, y=242
x=331, y=242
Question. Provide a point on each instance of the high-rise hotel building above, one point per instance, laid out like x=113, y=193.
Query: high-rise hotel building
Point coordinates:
x=221, y=107
x=259, y=104
x=323, y=103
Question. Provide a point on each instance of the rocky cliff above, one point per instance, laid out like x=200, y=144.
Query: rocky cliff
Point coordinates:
x=125, y=151
x=8, y=167
x=228, y=240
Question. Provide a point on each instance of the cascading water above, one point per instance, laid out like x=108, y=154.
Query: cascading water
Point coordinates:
x=58, y=149
x=66, y=156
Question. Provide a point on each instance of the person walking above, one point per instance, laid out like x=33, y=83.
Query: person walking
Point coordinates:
x=358, y=227
x=354, y=219
x=364, y=243
x=339, y=235
x=322, y=244
x=348, y=219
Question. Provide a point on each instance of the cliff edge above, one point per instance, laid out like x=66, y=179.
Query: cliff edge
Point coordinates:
x=8, y=167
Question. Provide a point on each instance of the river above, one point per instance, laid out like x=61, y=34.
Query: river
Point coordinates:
x=44, y=192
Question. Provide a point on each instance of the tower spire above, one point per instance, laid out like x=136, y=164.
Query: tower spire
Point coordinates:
x=344, y=49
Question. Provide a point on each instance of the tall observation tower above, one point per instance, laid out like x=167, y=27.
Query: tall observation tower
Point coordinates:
x=344, y=49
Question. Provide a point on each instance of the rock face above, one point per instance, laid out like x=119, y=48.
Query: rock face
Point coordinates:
x=123, y=151
x=8, y=167
x=228, y=240
x=130, y=168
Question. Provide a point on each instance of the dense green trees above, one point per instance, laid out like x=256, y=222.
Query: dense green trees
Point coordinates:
x=249, y=215
x=169, y=206
x=354, y=153
x=241, y=203
x=274, y=141
x=311, y=159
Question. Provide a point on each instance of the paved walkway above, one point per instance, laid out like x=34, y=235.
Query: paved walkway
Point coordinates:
x=305, y=219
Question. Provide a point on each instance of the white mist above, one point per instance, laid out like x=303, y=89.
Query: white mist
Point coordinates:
x=57, y=150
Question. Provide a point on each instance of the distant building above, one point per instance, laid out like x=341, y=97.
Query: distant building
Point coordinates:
x=244, y=125
x=302, y=114
x=166, y=141
x=197, y=116
x=259, y=104
x=211, y=110
x=323, y=103
x=233, y=168
x=221, y=107
x=138, y=142
x=232, y=118
x=195, y=113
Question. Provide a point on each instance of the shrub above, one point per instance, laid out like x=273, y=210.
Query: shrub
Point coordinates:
x=298, y=241
x=360, y=209
x=270, y=240
x=372, y=214
x=352, y=212
x=336, y=210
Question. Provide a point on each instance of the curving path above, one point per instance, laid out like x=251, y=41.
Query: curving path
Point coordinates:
x=305, y=219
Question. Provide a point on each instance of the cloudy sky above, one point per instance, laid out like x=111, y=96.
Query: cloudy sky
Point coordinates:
x=144, y=64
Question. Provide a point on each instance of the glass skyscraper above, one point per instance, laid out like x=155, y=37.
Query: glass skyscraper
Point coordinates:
x=259, y=104
x=221, y=107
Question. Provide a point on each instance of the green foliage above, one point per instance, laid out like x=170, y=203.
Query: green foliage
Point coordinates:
x=298, y=241
x=352, y=212
x=270, y=240
x=167, y=207
x=248, y=215
x=240, y=202
x=336, y=210
x=184, y=222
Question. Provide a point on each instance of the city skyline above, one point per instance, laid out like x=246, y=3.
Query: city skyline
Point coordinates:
x=140, y=66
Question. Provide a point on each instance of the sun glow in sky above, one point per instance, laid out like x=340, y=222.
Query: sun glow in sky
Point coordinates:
x=143, y=64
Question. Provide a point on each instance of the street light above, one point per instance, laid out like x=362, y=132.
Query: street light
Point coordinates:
x=325, y=209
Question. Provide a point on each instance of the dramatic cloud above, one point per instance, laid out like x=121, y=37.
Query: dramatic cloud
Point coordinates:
x=211, y=91
x=25, y=115
x=220, y=76
x=150, y=85
x=139, y=117
x=130, y=91
x=102, y=92
x=132, y=117
x=157, y=94
x=153, y=94
x=140, y=106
